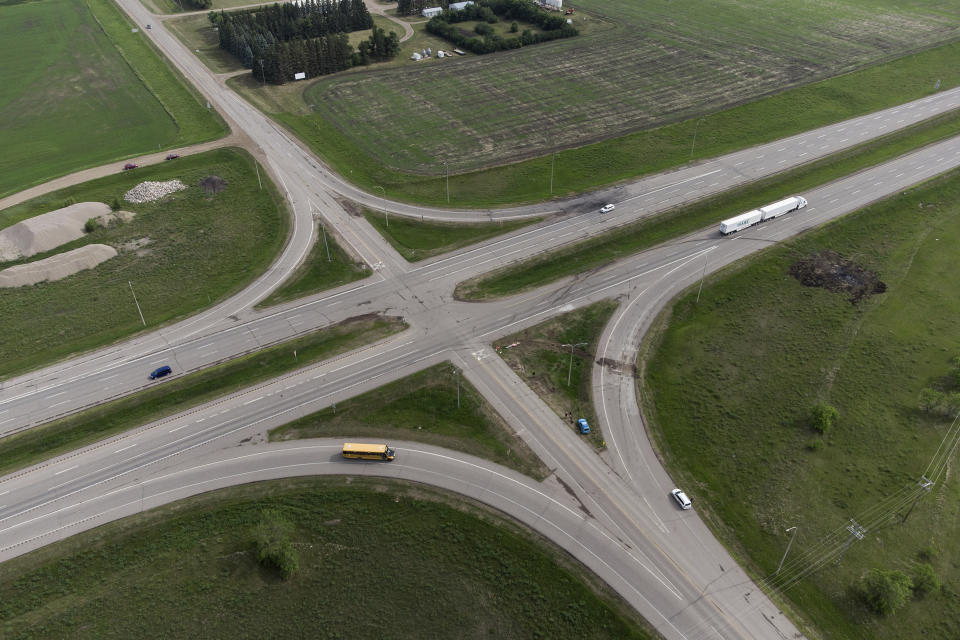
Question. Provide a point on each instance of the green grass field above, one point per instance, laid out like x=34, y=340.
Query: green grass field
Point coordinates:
x=544, y=364
x=422, y=407
x=417, y=241
x=637, y=65
x=197, y=33
x=82, y=90
x=729, y=384
x=418, y=563
x=180, y=393
x=199, y=249
x=631, y=238
x=594, y=165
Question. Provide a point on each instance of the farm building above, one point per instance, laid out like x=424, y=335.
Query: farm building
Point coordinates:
x=459, y=6
x=429, y=12
x=553, y=4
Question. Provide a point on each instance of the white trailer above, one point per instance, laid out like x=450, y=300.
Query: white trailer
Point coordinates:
x=768, y=212
x=741, y=221
x=784, y=206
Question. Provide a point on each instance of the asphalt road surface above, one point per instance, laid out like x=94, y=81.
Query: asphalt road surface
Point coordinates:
x=611, y=512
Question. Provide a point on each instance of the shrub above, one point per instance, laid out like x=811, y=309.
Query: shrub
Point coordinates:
x=514, y=27
x=886, y=591
x=925, y=580
x=822, y=416
x=90, y=225
x=815, y=444
x=115, y=204
x=929, y=552
x=483, y=29
x=274, y=550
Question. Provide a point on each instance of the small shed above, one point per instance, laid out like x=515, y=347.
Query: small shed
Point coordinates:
x=459, y=6
x=554, y=4
x=429, y=12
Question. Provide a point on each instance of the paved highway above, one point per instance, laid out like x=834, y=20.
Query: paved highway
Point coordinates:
x=612, y=513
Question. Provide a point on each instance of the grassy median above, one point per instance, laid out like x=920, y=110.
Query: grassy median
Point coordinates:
x=634, y=237
x=183, y=392
x=425, y=407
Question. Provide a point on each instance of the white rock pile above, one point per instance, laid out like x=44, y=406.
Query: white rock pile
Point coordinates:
x=150, y=191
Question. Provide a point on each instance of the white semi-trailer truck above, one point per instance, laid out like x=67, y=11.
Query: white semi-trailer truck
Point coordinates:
x=751, y=218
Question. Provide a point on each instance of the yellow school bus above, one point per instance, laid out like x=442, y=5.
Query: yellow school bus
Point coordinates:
x=363, y=451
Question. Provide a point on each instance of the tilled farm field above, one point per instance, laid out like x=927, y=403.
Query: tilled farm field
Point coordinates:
x=636, y=65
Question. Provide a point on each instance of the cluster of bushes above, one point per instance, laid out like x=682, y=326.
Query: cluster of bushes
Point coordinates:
x=944, y=400
x=490, y=11
x=272, y=545
x=886, y=591
x=199, y=4
x=279, y=40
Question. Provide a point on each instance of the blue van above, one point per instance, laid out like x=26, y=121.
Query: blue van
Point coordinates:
x=159, y=373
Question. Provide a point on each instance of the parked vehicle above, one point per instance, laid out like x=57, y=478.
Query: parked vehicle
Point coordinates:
x=607, y=208
x=751, y=218
x=172, y=156
x=129, y=166
x=583, y=426
x=160, y=372
x=681, y=499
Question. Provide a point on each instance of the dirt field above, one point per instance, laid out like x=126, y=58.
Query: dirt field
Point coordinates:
x=634, y=66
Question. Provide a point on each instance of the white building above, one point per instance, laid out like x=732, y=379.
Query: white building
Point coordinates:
x=459, y=6
x=429, y=12
x=554, y=4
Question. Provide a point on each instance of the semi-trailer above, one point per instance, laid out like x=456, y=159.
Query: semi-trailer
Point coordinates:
x=751, y=218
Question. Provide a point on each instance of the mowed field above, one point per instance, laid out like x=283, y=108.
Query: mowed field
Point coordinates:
x=69, y=99
x=636, y=65
x=731, y=382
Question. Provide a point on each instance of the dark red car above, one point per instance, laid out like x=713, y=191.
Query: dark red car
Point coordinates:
x=129, y=166
x=172, y=156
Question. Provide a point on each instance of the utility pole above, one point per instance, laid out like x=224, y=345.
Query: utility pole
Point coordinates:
x=702, y=275
x=856, y=531
x=925, y=485
x=794, y=529
x=137, y=303
x=553, y=160
x=385, y=212
x=456, y=374
x=570, y=368
x=697, y=126
x=324, y=230
x=446, y=170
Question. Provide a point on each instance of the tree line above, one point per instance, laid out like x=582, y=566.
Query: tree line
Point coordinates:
x=280, y=40
x=484, y=40
x=198, y=4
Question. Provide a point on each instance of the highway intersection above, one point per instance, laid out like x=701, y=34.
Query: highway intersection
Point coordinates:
x=612, y=512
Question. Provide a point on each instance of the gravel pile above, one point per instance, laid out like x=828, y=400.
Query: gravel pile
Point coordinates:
x=150, y=191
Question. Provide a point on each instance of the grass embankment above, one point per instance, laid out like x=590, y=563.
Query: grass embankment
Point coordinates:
x=629, y=239
x=327, y=266
x=183, y=392
x=595, y=165
x=545, y=364
x=69, y=98
x=181, y=254
x=198, y=34
x=417, y=241
x=731, y=382
x=420, y=563
x=422, y=407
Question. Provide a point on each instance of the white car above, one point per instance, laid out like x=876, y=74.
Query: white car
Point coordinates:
x=606, y=208
x=681, y=499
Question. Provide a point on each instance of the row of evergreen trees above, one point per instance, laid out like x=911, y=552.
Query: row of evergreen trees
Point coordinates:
x=280, y=40
x=554, y=26
x=288, y=20
x=322, y=55
x=198, y=4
